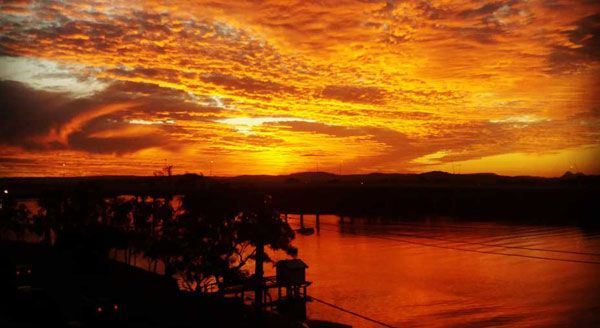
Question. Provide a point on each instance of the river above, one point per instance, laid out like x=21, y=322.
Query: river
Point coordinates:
x=440, y=273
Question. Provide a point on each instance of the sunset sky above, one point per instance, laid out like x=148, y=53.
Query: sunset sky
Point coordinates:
x=275, y=87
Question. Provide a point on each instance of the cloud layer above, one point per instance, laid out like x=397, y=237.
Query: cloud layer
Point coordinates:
x=121, y=87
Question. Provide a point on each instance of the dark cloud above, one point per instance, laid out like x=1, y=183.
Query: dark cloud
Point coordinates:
x=492, y=20
x=484, y=10
x=252, y=140
x=29, y=117
x=118, y=145
x=246, y=84
x=10, y=160
x=483, y=34
x=26, y=113
x=464, y=141
x=355, y=94
x=314, y=127
x=170, y=75
x=400, y=148
x=430, y=97
x=475, y=139
x=586, y=37
x=154, y=98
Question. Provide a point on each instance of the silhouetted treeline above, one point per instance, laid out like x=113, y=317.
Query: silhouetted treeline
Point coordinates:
x=571, y=199
x=205, y=237
x=568, y=199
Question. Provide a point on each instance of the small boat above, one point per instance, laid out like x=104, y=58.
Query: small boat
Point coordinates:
x=306, y=231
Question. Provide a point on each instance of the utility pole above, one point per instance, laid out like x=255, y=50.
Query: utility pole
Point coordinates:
x=258, y=276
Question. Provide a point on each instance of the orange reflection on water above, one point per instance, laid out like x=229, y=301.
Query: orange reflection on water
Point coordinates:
x=452, y=274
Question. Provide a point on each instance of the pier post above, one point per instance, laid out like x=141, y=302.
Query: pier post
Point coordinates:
x=318, y=222
x=302, y=220
x=286, y=218
x=341, y=218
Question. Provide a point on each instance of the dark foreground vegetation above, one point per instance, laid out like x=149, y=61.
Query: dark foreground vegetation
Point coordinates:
x=54, y=288
x=203, y=240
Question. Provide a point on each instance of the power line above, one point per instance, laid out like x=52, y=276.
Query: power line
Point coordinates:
x=337, y=307
x=522, y=232
x=500, y=246
x=493, y=245
x=485, y=244
x=470, y=250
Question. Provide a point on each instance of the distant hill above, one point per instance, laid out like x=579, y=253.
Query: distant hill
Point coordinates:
x=427, y=178
x=189, y=182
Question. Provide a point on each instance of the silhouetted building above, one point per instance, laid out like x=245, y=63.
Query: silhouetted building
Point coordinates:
x=291, y=272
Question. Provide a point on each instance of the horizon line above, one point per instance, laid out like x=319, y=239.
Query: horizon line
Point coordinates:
x=296, y=173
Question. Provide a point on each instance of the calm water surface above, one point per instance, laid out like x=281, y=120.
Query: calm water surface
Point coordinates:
x=440, y=274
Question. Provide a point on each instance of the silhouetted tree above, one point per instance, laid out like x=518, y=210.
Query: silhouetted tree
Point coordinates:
x=14, y=217
x=47, y=220
x=160, y=246
x=203, y=240
x=76, y=221
x=261, y=226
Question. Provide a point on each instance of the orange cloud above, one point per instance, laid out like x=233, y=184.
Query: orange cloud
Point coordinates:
x=377, y=85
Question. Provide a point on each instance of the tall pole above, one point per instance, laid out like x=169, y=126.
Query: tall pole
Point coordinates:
x=258, y=275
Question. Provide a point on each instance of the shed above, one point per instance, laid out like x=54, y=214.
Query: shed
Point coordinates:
x=291, y=272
